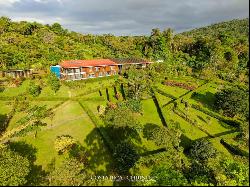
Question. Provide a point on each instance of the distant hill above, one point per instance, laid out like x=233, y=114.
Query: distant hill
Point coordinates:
x=236, y=27
x=33, y=45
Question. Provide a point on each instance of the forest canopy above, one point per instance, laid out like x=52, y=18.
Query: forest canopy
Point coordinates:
x=220, y=50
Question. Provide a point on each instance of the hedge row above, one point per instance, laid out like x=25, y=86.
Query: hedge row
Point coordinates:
x=165, y=94
x=163, y=120
x=226, y=120
x=234, y=149
x=93, y=90
x=192, y=123
x=100, y=79
x=92, y=99
x=98, y=123
x=5, y=124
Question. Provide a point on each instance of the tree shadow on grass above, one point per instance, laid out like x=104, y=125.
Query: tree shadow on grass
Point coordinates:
x=120, y=134
x=201, y=118
x=100, y=161
x=100, y=154
x=2, y=89
x=207, y=99
x=37, y=174
x=148, y=130
x=3, y=124
x=226, y=126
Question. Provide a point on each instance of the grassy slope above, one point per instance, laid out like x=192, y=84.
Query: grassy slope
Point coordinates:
x=11, y=92
x=70, y=119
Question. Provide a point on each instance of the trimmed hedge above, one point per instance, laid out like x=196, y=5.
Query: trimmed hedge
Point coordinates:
x=186, y=142
x=5, y=124
x=93, y=90
x=234, y=149
x=163, y=120
x=98, y=123
x=192, y=122
x=226, y=120
x=165, y=94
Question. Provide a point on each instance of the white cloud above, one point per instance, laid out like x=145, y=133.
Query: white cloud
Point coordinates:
x=29, y=19
x=8, y=2
x=125, y=16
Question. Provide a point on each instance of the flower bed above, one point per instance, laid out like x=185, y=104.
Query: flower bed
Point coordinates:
x=179, y=84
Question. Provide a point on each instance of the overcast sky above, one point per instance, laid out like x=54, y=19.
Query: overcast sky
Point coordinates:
x=125, y=17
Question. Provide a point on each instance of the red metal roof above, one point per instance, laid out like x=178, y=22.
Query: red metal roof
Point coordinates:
x=82, y=63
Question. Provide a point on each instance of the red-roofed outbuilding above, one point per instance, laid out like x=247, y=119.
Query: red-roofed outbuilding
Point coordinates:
x=83, y=69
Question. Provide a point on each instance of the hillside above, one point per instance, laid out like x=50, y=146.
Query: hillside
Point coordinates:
x=33, y=45
x=180, y=122
x=236, y=28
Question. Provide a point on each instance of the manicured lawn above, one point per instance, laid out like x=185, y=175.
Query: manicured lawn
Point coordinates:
x=172, y=90
x=150, y=114
x=18, y=115
x=163, y=100
x=5, y=107
x=188, y=129
x=71, y=120
x=62, y=92
x=206, y=96
x=10, y=92
x=210, y=124
x=216, y=143
x=189, y=80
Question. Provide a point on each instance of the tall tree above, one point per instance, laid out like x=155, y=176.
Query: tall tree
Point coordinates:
x=14, y=168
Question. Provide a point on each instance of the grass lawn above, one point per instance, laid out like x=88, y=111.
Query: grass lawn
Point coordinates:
x=5, y=107
x=172, y=90
x=212, y=125
x=188, y=129
x=206, y=96
x=11, y=92
x=189, y=80
x=48, y=92
x=216, y=143
x=150, y=114
x=71, y=120
x=18, y=115
x=230, y=138
x=163, y=100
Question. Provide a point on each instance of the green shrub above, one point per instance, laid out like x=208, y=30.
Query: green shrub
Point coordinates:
x=34, y=89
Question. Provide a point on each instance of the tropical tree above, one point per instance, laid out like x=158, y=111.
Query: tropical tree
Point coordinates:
x=53, y=82
x=34, y=89
x=202, y=150
x=14, y=168
x=126, y=156
x=120, y=117
x=233, y=101
x=165, y=176
x=70, y=173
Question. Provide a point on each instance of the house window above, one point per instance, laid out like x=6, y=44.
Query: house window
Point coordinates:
x=70, y=71
x=70, y=77
x=78, y=76
x=91, y=75
x=77, y=70
x=97, y=68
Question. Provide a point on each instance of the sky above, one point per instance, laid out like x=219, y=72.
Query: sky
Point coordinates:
x=125, y=17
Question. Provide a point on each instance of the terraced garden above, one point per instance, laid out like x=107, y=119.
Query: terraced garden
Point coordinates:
x=76, y=114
